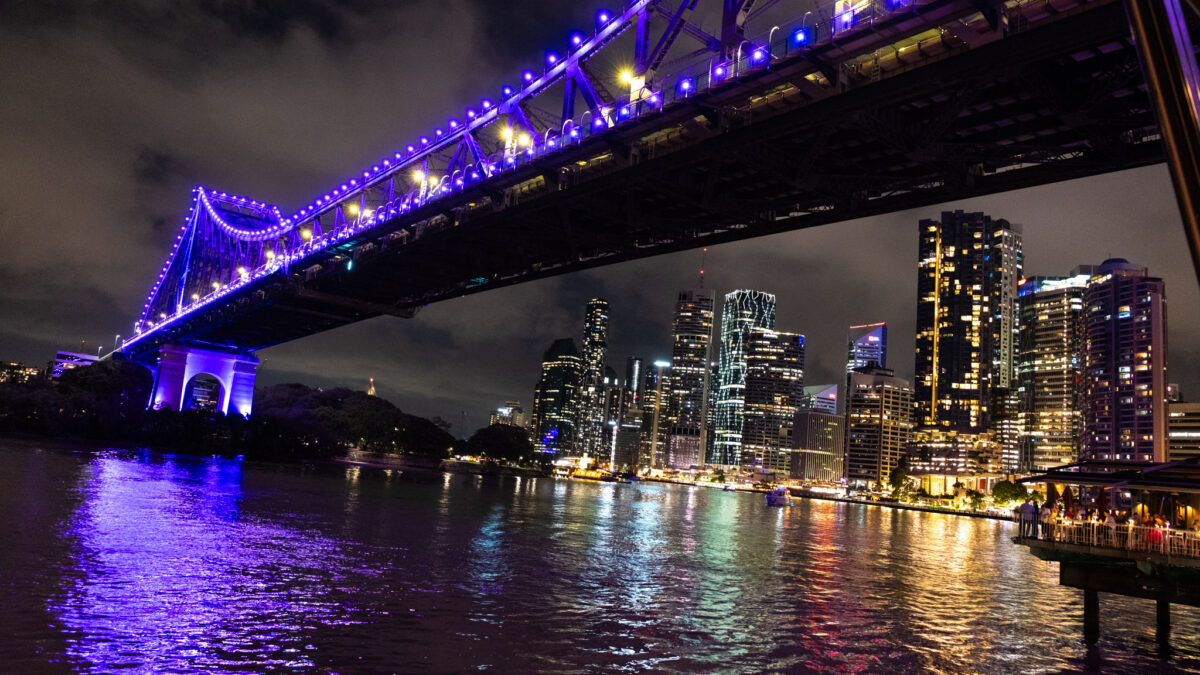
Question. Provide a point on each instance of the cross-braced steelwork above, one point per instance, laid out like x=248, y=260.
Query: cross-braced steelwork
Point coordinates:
x=652, y=134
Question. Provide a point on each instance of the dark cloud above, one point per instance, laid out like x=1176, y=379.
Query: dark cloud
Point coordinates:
x=112, y=110
x=155, y=167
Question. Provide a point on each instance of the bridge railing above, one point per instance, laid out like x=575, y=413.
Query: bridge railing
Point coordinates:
x=1127, y=537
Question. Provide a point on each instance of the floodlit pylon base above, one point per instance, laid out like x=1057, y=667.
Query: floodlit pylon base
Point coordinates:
x=179, y=366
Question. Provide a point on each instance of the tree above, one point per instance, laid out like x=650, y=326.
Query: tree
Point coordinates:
x=718, y=476
x=975, y=497
x=898, y=479
x=501, y=442
x=1007, y=492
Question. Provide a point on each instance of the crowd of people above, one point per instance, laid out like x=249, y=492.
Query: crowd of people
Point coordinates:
x=1062, y=522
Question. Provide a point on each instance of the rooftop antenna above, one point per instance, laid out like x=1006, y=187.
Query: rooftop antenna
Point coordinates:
x=703, y=255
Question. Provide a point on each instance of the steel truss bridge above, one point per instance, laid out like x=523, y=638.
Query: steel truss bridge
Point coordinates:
x=783, y=119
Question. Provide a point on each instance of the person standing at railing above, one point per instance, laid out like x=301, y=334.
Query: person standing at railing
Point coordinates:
x=1027, y=514
x=1047, y=521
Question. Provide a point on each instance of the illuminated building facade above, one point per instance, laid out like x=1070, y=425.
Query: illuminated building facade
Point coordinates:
x=1125, y=379
x=822, y=397
x=17, y=373
x=593, y=427
x=867, y=344
x=634, y=380
x=741, y=313
x=556, y=399
x=819, y=446
x=968, y=270
x=1050, y=369
x=683, y=451
x=510, y=413
x=690, y=352
x=950, y=453
x=774, y=390
x=687, y=404
x=879, y=424
x=1183, y=430
x=64, y=361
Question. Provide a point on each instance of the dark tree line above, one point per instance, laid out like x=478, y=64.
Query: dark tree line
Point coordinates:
x=106, y=402
x=506, y=444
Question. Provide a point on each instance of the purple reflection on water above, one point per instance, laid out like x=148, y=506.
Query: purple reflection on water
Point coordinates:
x=167, y=576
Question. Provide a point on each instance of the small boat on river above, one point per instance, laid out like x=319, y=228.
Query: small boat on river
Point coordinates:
x=779, y=496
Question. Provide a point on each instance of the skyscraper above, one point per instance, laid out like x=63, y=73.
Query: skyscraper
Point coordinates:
x=743, y=311
x=690, y=351
x=1050, y=369
x=510, y=413
x=822, y=397
x=556, y=399
x=774, y=389
x=819, y=446
x=1183, y=430
x=867, y=343
x=687, y=405
x=592, y=422
x=878, y=424
x=968, y=269
x=1125, y=373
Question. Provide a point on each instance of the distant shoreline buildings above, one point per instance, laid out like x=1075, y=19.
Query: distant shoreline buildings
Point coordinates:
x=1012, y=375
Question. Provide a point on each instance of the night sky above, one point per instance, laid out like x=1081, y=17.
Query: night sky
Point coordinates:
x=111, y=111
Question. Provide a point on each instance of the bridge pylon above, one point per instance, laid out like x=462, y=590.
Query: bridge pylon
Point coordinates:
x=181, y=367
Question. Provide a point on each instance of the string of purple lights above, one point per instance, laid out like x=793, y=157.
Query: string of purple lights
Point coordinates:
x=472, y=165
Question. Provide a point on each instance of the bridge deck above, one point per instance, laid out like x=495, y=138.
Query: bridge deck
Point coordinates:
x=923, y=109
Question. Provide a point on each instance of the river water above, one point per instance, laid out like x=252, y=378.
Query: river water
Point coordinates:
x=158, y=563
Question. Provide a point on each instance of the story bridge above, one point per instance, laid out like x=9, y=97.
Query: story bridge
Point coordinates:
x=782, y=119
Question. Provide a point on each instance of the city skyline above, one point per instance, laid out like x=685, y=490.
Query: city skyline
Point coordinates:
x=462, y=355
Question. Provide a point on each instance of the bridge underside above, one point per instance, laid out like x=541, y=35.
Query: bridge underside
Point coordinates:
x=980, y=111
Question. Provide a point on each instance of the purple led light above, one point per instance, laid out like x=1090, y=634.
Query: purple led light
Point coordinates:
x=758, y=54
x=576, y=40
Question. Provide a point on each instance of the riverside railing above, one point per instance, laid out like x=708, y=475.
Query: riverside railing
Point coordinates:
x=1126, y=537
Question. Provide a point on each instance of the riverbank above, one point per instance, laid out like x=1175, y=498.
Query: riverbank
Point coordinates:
x=379, y=460
x=805, y=494
x=904, y=507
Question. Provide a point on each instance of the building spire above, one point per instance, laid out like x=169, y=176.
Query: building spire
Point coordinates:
x=371, y=389
x=703, y=255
